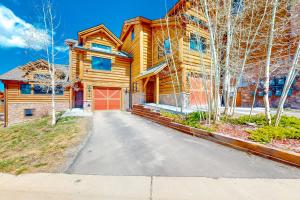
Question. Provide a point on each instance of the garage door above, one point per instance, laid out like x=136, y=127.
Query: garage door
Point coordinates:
x=107, y=98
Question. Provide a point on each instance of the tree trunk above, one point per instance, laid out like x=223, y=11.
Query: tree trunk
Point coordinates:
x=289, y=81
x=268, y=63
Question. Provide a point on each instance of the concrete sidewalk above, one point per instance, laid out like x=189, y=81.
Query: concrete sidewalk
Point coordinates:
x=87, y=187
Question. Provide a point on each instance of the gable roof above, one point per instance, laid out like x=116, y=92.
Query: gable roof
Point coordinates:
x=19, y=73
x=153, y=70
x=129, y=23
x=96, y=29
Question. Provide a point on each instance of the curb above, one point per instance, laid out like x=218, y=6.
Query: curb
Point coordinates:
x=286, y=157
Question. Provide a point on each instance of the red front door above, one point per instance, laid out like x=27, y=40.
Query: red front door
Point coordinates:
x=107, y=98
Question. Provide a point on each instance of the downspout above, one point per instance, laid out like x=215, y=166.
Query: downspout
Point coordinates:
x=130, y=87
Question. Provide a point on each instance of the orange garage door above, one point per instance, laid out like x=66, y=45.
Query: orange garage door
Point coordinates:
x=107, y=98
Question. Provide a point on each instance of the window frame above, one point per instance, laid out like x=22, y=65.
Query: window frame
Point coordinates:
x=199, y=40
x=102, y=47
x=103, y=59
x=49, y=90
x=27, y=111
x=165, y=50
x=132, y=35
x=237, y=7
x=27, y=84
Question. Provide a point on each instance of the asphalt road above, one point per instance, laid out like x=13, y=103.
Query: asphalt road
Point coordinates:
x=126, y=145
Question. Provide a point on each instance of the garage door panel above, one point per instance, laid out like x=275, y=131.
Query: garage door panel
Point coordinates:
x=100, y=93
x=114, y=105
x=107, y=99
x=114, y=93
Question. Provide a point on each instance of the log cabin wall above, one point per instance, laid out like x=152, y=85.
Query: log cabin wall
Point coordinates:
x=17, y=103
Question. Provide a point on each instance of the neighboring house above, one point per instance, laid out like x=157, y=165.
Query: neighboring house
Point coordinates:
x=1, y=103
x=284, y=47
x=113, y=73
x=27, y=98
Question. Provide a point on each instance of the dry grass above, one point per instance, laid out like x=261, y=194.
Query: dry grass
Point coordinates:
x=37, y=146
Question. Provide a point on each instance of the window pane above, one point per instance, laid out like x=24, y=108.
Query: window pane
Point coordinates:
x=237, y=6
x=101, y=47
x=40, y=89
x=132, y=35
x=197, y=43
x=25, y=89
x=101, y=63
x=167, y=46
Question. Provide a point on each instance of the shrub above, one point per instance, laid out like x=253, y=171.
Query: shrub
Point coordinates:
x=289, y=127
x=192, y=119
x=266, y=134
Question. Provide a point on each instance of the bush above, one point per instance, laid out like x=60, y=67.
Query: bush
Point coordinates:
x=259, y=119
x=289, y=127
x=266, y=134
x=192, y=119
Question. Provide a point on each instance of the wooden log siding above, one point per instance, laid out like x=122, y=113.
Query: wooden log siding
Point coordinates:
x=133, y=47
x=118, y=77
x=14, y=95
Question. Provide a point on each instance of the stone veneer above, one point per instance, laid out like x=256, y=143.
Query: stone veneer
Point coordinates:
x=169, y=99
x=16, y=110
x=138, y=98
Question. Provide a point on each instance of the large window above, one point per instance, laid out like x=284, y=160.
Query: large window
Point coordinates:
x=167, y=46
x=25, y=89
x=101, y=47
x=237, y=6
x=46, y=90
x=101, y=63
x=197, y=43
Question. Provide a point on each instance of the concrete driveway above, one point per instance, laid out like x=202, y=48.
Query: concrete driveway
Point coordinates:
x=126, y=145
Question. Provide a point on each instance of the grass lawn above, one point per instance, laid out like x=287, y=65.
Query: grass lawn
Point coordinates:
x=36, y=146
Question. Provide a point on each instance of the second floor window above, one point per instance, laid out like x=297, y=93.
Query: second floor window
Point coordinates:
x=237, y=6
x=101, y=47
x=101, y=63
x=25, y=89
x=197, y=43
x=132, y=34
x=167, y=46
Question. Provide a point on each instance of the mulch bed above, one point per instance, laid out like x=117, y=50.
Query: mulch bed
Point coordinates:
x=240, y=132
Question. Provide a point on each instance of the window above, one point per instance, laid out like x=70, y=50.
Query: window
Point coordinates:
x=167, y=46
x=197, y=43
x=101, y=63
x=132, y=34
x=25, y=89
x=28, y=112
x=42, y=89
x=101, y=47
x=237, y=6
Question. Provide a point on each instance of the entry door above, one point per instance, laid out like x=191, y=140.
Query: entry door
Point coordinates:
x=79, y=99
x=107, y=98
x=150, y=92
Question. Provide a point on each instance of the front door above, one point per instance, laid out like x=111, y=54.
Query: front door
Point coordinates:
x=150, y=92
x=79, y=99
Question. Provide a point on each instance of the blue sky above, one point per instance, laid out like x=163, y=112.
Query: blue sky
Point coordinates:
x=16, y=16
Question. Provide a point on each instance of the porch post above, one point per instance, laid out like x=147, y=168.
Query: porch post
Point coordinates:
x=157, y=89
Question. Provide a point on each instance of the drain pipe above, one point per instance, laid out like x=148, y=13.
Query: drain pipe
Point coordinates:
x=130, y=87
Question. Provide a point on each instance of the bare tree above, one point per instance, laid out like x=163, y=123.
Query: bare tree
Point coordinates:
x=49, y=77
